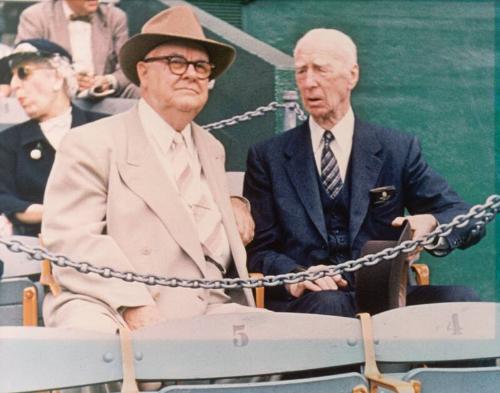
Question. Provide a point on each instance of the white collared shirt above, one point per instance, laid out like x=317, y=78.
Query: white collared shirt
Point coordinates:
x=161, y=136
x=341, y=146
x=80, y=38
x=56, y=128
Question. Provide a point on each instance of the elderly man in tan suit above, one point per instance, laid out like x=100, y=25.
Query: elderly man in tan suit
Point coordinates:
x=145, y=191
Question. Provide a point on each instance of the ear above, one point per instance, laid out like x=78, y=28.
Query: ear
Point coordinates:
x=58, y=83
x=142, y=72
x=354, y=76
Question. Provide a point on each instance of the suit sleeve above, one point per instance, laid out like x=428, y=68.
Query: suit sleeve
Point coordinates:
x=30, y=25
x=265, y=251
x=74, y=224
x=428, y=192
x=120, y=36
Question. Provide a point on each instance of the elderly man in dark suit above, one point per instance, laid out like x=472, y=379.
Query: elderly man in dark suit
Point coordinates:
x=92, y=33
x=320, y=191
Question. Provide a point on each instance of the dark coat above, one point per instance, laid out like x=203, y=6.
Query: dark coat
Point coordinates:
x=22, y=178
x=281, y=185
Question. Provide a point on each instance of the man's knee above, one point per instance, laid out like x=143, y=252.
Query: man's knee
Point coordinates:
x=337, y=303
x=441, y=294
x=83, y=315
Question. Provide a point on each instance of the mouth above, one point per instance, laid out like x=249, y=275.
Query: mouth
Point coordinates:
x=188, y=90
x=314, y=101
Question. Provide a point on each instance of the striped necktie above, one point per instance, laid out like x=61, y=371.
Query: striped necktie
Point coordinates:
x=330, y=172
x=208, y=221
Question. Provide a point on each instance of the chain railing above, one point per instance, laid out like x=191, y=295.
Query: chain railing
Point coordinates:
x=260, y=111
x=482, y=214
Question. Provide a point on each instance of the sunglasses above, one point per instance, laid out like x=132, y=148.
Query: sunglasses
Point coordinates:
x=23, y=72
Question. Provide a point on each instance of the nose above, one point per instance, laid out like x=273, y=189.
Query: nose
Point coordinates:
x=15, y=82
x=190, y=72
x=310, y=78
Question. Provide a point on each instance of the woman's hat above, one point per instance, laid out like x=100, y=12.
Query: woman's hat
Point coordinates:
x=175, y=23
x=36, y=49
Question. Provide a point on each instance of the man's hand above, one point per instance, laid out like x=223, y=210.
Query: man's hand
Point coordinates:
x=85, y=80
x=32, y=214
x=421, y=225
x=137, y=317
x=101, y=84
x=332, y=283
x=244, y=220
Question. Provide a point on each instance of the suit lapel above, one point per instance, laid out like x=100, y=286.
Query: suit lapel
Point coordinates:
x=365, y=168
x=31, y=132
x=301, y=169
x=143, y=173
x=213, y=170
x=100, y=42
x=61, y=30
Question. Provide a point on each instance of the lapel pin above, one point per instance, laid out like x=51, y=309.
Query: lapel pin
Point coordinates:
x=36, y=153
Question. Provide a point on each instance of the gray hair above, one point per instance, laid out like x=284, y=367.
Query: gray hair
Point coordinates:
x=65, y=70
x=337, y=40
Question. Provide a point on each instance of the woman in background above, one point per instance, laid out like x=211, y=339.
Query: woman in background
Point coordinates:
x=43, y=82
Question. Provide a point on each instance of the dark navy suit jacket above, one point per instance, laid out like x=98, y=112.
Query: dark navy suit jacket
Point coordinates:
x=281, y=185
x=22, y=178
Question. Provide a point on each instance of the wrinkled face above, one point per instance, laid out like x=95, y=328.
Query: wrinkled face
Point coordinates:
x=83, y=7
x=168, y=92
x=36, y=86
x=325, y=78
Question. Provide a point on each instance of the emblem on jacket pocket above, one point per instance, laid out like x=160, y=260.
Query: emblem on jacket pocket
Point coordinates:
x=380, y=195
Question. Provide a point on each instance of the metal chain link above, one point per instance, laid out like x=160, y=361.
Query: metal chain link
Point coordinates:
x=482, y=213
x=260, y=111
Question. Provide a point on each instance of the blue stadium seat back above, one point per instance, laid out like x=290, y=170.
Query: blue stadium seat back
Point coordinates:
x=11, y=300
x=439, y=332
x=335, y=383
x=452, y=380
x=19, y=264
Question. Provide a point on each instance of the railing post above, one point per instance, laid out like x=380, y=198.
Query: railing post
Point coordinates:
x=290, y=117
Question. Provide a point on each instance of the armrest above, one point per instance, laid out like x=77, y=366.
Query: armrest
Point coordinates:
x=259, y=292
x=422, y=273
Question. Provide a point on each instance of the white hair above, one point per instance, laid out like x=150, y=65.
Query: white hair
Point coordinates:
x=335, y=40
x=65, y=70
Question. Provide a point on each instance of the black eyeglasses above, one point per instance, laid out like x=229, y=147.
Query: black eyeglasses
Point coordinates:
x=178, y=65
x=23, y=72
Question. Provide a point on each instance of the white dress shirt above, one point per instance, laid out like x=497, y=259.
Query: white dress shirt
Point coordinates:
x=341, y=146
x=56, y=128
x=161, y=135
x=80, y=38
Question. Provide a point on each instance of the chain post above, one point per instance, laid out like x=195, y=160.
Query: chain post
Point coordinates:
x=290, y=99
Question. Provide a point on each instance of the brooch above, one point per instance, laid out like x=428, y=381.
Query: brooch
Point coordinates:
x=36, y=153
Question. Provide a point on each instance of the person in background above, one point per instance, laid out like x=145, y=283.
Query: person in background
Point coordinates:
x=43, y=82
x=5, y=74
x=320, y=191
x=92, y=33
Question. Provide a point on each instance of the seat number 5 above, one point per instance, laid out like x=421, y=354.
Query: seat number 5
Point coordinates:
x=240, y=338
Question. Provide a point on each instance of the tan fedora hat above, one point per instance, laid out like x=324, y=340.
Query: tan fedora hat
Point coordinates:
x=175, y=23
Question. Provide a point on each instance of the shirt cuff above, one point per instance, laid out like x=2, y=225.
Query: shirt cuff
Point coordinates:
x=244, y=200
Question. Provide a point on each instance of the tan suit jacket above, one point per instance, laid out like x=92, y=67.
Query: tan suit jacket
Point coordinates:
x=109, y=33
x=108, y=201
